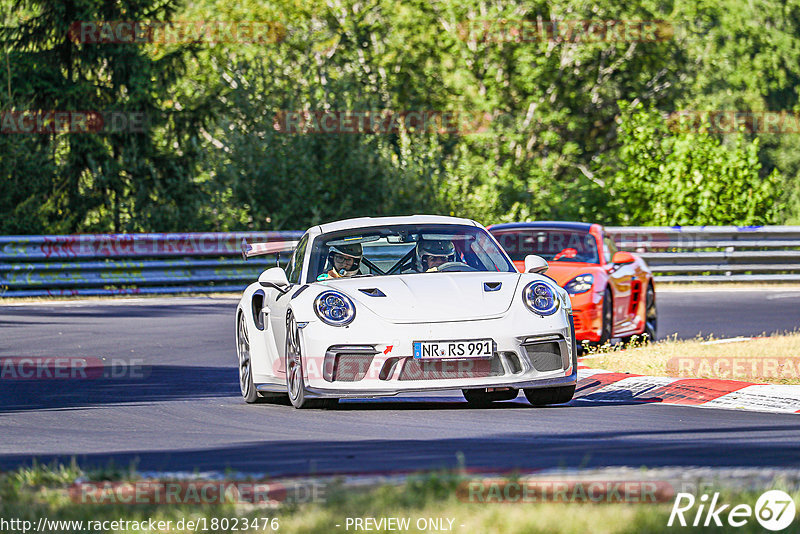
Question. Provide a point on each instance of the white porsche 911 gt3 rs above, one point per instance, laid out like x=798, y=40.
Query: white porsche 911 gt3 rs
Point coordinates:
x=375, y=307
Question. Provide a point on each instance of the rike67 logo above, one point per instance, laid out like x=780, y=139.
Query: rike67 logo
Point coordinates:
x=774, y=510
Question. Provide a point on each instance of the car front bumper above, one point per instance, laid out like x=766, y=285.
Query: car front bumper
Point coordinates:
x=360, y=362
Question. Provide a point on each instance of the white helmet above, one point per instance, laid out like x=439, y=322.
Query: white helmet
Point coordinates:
x=433, y=247
x=350, y=250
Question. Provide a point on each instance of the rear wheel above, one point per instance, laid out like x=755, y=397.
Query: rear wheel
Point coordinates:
x=608, y=319
x=545, y=396
x=248, y=389
x=651, y=318
x=648, y=335
x=481, y=397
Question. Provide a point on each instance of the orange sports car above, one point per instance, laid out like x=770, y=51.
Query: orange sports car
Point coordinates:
x=612, y=292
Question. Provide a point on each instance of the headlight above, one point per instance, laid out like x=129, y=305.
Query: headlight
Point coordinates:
x=580, y=284
x=540, y=298
x=334, y=308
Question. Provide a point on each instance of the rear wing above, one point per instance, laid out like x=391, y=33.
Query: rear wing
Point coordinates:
x=261, y=249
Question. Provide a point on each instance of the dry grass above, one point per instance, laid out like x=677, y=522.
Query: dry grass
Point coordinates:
x=772, y=360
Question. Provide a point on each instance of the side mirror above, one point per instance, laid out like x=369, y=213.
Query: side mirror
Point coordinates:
x=622, y=257
x=273, y=277
x=535, y=264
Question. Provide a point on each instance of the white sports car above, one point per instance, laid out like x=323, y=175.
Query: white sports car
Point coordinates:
x=374, y=307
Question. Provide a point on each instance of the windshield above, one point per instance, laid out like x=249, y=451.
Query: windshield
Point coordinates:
x=405, y=249
x=550, y=244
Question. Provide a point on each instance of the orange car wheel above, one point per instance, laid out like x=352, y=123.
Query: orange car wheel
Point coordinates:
x=651, y=317
x=608, y=317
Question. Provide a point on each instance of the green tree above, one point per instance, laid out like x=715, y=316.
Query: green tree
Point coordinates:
x=122, y=179
x=667, y=177
x=745, y=57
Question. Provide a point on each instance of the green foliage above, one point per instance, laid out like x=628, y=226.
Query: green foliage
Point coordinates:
x=552, y=107
x=557, y=144
x=675, y=178
x=124, y=179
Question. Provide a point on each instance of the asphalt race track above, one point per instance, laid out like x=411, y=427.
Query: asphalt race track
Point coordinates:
x=187, y=415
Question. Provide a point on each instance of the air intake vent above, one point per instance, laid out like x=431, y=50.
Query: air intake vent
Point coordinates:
x=512, y=359
x=345, y=363
x=352, y=367
x=492, y=286
x=373, y=292
x=544, y=356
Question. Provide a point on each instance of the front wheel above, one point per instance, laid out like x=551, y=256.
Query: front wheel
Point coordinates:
x=294, y=364
x=545, y=396
x=481, y=397
x=294, y=370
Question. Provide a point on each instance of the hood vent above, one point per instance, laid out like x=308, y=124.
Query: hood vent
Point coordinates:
x=373, y=292
x=492, y=286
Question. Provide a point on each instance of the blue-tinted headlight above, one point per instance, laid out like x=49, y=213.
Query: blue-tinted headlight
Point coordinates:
x=580, y=284
x=334, y=308
x=540, y=298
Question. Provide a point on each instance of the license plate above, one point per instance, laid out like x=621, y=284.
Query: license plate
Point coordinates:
x=438, y=350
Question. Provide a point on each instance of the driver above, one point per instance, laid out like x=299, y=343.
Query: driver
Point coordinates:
x=431, y=254
x=344, y=261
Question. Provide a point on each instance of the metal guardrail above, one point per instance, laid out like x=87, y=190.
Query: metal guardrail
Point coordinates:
x=130, y=264
x=715, y=253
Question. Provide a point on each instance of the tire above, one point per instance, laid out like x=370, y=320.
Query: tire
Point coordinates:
x=545, y=396
x=608, y=320
x=246, y=386
x=295, y=386
x=481, y=397
x=648, y=334
x=294, y=364
x=651, y=314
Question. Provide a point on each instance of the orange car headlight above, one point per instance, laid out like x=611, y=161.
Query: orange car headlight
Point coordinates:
x=580, y=284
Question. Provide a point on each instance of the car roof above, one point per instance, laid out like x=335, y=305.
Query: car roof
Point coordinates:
x=556, y=225
x=367, y=222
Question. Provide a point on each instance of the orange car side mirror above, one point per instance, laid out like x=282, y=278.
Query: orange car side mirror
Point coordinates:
x=622, y=257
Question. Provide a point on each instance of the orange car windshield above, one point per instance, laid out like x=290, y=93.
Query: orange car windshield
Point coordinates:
x=552, y=245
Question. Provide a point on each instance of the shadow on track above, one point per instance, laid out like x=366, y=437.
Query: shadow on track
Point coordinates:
x=119, y=311
x=151, y=384
x=696, y=445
